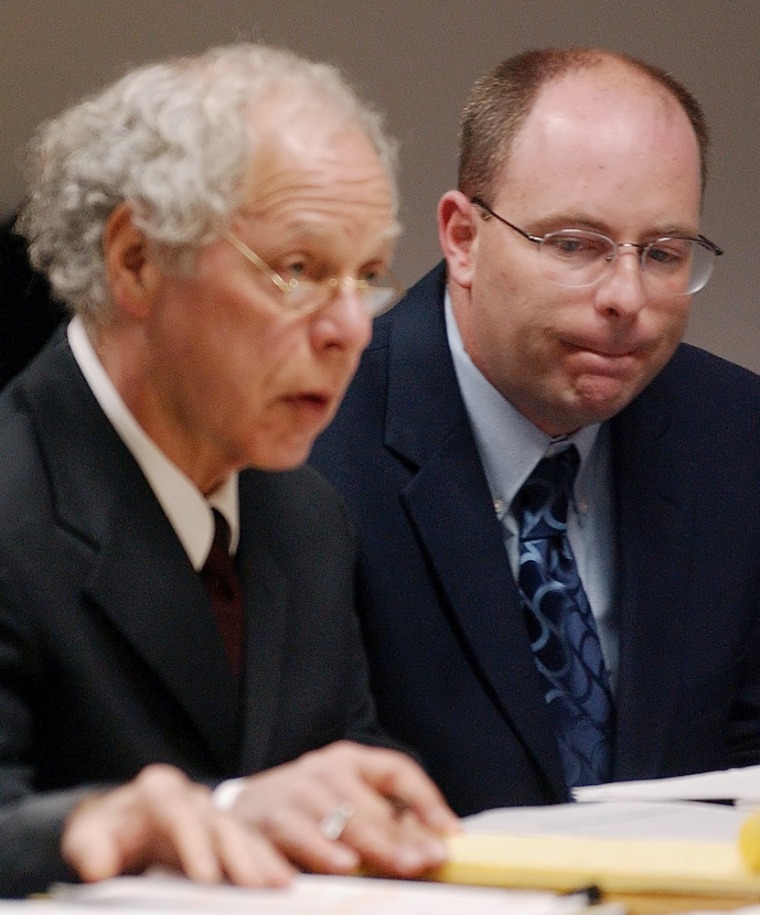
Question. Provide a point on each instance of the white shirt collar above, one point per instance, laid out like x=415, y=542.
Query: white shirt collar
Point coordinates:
x=187, y=509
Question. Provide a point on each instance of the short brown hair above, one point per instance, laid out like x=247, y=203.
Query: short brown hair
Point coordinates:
x=500, y=101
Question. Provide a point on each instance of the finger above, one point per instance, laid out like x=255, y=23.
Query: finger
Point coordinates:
x=377, y=833
x=175, y=813
x=395, y=845
x=102, y=833
x=399, y=779
x=158, y=818
x=90, y=848
x=296, y=834
x=247, y=857
x=389, y=837
x=182, y=822
x=287, y=805
x=209, y=843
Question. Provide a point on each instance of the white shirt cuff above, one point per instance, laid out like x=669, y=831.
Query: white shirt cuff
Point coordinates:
x=226, y=793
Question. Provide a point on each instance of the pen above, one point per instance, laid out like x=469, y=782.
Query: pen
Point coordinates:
x=589, y=899
x=588, y=895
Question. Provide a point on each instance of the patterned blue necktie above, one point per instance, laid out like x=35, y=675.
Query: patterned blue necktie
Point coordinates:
x=560, y=623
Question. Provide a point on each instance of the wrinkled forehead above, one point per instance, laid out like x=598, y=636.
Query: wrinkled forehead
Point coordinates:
x=311, y=176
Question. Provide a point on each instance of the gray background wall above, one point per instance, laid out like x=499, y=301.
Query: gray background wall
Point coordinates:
x=416, y=59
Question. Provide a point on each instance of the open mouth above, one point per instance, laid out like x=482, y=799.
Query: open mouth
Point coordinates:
x=311, y=404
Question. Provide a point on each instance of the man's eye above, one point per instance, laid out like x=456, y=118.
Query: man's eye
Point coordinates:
x=371, y=276
x=670, y=254
x=569, y=245
x=575, y=246
x=305, y=269
x=293, y=270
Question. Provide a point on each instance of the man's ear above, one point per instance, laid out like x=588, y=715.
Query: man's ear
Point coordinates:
x=133, y=275
x=457, y=233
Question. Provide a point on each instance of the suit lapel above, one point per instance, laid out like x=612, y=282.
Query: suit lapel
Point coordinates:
x=464, y=542
x=140, y=577
x=655, y=552
x=167, y=618
x=265, y=586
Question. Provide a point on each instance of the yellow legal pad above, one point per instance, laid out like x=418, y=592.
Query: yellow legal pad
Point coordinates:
x=695, y=871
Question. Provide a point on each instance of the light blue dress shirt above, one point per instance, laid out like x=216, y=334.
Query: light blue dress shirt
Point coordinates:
x=510, y=446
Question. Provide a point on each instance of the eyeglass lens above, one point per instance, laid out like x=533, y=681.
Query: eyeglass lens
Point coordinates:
x=377, y=298
x=677, y=266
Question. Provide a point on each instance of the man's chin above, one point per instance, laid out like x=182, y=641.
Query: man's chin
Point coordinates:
x=598, y=398
x=279, y=457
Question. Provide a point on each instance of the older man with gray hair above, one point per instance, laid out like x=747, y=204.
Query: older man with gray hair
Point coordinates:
x=176, y=591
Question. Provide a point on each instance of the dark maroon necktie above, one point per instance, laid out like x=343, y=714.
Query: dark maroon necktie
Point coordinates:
x=221, y=580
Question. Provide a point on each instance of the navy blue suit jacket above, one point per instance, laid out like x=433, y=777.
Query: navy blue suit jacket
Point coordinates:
x=450, y=662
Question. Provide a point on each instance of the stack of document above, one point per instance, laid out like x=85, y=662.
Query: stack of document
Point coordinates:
x=740, y=787
x=661, y=839
x=307, y=895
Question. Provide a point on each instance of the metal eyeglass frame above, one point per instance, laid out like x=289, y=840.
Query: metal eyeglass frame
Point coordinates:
x=615, y=245
x=332, y=284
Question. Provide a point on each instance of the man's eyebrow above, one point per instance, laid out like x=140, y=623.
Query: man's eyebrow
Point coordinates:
x=577, y=220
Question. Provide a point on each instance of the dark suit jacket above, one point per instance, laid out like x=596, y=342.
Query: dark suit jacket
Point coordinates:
x=450, y=662
x=109, y=655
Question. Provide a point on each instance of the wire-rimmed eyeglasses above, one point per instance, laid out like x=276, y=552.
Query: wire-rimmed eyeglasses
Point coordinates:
x=671, y=265
x=306, y=295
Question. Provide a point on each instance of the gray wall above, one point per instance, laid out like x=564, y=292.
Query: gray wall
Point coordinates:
x=417, y=59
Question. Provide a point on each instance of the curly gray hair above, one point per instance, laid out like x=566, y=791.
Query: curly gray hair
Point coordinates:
x=173, y=140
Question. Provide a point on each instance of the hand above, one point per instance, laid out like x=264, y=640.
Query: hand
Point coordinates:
x=395, y=814
x=162, y=818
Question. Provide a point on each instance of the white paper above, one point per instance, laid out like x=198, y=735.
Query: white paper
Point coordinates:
x=675, y=821
x=739, y=785
x=307, y=895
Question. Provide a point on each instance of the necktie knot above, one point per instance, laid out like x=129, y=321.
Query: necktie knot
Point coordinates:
x=218, y=566
x=222, y=532
x=540, y=507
